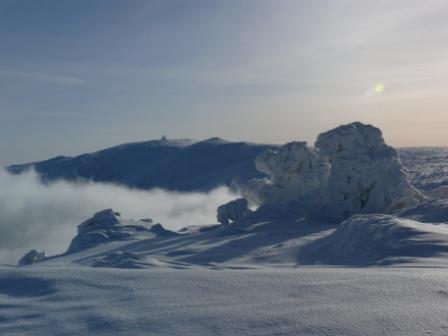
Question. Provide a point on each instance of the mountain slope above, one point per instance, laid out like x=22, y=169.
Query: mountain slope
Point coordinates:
x=174, y=165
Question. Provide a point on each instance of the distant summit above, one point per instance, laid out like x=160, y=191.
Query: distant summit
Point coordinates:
x=172, y=164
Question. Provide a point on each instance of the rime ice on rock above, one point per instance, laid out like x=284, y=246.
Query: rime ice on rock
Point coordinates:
x=294, y=170
x=232, y=211
x=366, y=174
x=350, y=171
x=106, y=226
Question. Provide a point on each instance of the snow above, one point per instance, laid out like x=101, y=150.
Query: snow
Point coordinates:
x=295, y=170
x=428, y=169
x=306, y=301
x=279, y=270
x=106, y=226
x=381, y=240
x=350, y=171
x=366, y=174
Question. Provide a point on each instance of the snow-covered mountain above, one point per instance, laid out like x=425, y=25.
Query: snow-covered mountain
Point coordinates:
x=181, y=165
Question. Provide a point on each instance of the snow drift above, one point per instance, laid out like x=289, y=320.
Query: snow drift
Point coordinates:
x=378, y=239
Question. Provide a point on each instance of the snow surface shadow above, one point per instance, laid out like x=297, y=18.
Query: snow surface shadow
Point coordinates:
x=408, y=246
x=262, y=241
x=25, y=287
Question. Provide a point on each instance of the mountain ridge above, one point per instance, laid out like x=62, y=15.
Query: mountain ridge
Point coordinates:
x=172, y=164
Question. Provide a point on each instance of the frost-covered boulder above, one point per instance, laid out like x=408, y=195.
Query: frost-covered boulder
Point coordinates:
x=294, y=170
x=366, y=175
x=350, y=171
x=232, y=211
x=104, y=219
x=106, y=226
x=33, y=257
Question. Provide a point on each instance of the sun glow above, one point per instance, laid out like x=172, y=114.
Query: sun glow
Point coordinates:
x=379, y=88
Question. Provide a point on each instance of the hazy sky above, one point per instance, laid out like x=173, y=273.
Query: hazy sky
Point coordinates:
x=78, y=75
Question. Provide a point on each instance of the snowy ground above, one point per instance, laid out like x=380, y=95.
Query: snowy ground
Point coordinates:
x=302, y=301
x=265, y=278
x=428, y=168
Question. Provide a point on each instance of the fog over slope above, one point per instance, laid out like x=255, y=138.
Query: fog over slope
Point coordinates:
x=35, y=215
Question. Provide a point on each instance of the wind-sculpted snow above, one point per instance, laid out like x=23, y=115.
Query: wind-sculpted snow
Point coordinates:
x=378, y=239
x=351, y=171
x=258, y=240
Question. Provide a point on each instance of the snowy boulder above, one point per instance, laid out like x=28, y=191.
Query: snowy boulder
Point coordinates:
x=106, y=226
x=350, y=171
x=101, y=220
x=294, y=171
x=366, y=175
x=232, y=211
x=33, y=257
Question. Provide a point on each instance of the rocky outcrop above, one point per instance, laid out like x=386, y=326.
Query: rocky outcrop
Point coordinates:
x=351, y=170
x=366, y=175
x=106, y=226
x=32, y=257
x=232, y=211
x=294, y=170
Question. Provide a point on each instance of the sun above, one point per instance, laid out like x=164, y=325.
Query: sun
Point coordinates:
x=379, y=88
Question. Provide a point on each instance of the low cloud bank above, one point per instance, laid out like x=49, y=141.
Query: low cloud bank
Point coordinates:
x=34, y=215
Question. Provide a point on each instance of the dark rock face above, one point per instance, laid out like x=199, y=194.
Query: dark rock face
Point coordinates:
x=32, y=257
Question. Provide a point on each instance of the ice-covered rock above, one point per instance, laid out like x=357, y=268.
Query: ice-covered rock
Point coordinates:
x=350, y=171
x=33, y=257
x=106, y=226
x=101, y=220
x=232, y=211
x=294, y=171
x=366, y=175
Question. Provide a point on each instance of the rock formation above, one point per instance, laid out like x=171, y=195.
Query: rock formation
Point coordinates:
x=33, y=257
x=351, y=170
x=232, y=211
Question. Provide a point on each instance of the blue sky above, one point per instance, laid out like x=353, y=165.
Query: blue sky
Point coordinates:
x=79, y=75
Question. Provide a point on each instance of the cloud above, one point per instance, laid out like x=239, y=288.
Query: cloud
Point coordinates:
x=34, y=215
